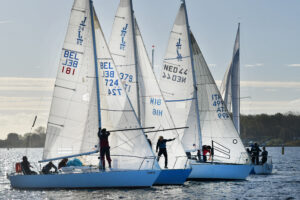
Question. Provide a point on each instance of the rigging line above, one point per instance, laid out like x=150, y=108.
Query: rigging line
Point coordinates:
x=131, y=129
x=169, y=129
x=126, y=142
x=29, y=136
x=179, y=100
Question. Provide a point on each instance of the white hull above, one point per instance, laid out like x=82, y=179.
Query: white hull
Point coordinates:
x=219, y=171
x=263, y=169
x=140, y=178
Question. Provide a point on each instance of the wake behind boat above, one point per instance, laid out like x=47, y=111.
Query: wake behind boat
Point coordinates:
x=82, y=103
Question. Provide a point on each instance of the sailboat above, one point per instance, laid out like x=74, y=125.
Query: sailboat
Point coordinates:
x=83, y=101
x=194, y=100
x=230, y=90
x=134, y=67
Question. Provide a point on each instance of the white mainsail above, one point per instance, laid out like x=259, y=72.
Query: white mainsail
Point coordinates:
x=153, y=109
x=216, y=124
x=230, y=88
x=129, y=149
x=177, y=84
x=198, y=103
x=70, y=104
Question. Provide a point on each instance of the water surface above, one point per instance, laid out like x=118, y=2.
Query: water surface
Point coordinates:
x=284, y=183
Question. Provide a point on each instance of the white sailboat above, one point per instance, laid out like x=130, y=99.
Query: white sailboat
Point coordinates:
x=230, y=90
x=133, y=64
x=194, y=100
x=84, y=100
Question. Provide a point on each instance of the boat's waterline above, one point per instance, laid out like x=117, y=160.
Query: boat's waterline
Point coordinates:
x=173, y=176
x=219, y=171
x=111, y=179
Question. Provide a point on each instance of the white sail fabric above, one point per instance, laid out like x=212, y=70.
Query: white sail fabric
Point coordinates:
x=73, y=121
x=154, y=109
x=71, y=97
x=128, y=148
x=230, y=88
x=121, y=45
x=216, y=124
x=177, y=85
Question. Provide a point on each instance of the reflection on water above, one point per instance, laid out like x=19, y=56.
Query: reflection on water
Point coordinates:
x=282, y=184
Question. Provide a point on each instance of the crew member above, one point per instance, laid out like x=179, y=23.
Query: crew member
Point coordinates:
x=104, y=147
x=46, y=169
x=25, y=165
x=264, y=155
x=63, y=163
x=206, y=149
x=161, y=145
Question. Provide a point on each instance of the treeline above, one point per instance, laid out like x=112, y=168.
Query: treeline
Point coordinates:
x=271, y=130
x=34, y=140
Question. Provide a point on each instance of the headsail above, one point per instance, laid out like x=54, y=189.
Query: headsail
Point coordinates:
x=230, y=88
x=177, y=83
x=153, y=109
x=121, y=45
x=216, y=124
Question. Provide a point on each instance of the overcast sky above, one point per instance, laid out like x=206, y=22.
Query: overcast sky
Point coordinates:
x=32, y=34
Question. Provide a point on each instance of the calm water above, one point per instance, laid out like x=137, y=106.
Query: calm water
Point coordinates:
x=284, y=183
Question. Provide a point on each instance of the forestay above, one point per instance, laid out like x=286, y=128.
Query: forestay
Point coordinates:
x=216, y=124
x=129, y=149
x=230, y=88
x=177, y=85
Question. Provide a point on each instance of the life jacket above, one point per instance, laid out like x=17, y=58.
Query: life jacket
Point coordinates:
x=18, y=168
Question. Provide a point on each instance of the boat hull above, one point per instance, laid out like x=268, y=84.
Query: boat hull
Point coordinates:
x=219, y=171
x=111, y=179
x=264, y=169
x=172, y=176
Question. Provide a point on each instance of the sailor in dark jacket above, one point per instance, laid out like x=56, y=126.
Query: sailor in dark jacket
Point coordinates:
x=161, y=145
x=104, y=147
x=46, y=169
x=25, y=165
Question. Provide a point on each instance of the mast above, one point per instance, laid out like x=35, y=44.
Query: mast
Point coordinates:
x=95, y=60
x=194, y=76
x=136, y=63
